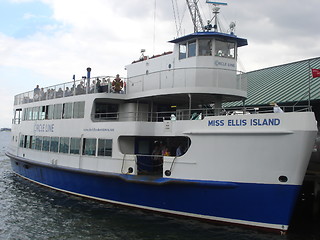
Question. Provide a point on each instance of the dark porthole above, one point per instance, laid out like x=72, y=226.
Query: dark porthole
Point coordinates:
x=283, y=179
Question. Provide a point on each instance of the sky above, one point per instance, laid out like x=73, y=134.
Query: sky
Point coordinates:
x=46, y=42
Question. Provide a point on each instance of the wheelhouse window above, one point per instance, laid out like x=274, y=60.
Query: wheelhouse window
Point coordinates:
x=192, y=46
x=89, y=146
x=182, y=51
x=225, y=49
x=205, y=47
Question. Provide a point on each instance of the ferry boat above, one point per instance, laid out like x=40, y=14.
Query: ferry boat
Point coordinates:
x=160, y=139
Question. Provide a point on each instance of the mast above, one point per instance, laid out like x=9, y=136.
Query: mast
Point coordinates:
x=197, y=19
x=195, y=15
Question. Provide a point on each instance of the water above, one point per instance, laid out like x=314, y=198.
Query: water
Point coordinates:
x=28, y=211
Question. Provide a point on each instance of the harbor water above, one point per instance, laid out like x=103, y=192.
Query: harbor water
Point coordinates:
x=29, y=211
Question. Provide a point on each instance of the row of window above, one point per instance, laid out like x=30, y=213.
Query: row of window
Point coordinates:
x=70, y=145
x=54, y=111
x=222, y=48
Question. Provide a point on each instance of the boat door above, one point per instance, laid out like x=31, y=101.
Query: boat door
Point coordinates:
x=143, y=153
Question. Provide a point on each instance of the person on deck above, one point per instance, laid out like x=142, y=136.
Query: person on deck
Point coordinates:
x=276, y=108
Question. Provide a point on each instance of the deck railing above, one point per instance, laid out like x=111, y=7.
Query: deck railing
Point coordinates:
x=134, y=84
x=191, y=114
x=77, y=87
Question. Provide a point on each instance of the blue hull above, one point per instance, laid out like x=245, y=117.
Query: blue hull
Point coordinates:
x=257, y=205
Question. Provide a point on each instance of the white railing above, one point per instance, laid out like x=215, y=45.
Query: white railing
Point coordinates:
x=77, y=87
x=191, y=114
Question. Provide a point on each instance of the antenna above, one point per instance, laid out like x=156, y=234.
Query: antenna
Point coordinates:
x=217, y=3
x=215, y=11
x=232, y=27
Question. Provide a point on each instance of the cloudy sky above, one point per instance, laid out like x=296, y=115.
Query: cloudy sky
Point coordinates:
x=45, y=42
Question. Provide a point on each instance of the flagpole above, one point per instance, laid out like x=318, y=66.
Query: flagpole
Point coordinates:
x=309, y=79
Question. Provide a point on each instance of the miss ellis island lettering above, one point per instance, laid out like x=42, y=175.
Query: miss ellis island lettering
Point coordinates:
x=44, y=127
x=245, y=122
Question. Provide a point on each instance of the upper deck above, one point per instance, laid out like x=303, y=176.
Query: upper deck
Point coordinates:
x=203, y=63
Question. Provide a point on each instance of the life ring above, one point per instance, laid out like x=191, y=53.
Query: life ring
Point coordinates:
x=117, y=84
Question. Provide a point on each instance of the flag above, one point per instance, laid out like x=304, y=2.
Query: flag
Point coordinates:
x=315, y=73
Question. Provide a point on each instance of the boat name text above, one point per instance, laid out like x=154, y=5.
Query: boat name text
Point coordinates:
x=245, y=122
x=98, y=130
x=44, y=127
x=224, y=64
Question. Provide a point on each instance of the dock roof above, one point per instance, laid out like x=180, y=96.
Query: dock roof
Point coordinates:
x=287, y=83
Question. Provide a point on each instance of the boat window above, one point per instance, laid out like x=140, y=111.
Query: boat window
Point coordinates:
x=105, y=147
x=205, y=47
x=57, y=111
x=38, y=143
x=75, y=145
x=182, y=51
x=64, y=145
x=27, y=141
x=50, y=112
x=78, y=110
x=17, y=116
x=42, y=113
x=32, y=142
x=225, y=49
x=30, y=114
x=192, y=49
x=25, y=114
x=54, y=144
x=67, y=110
x=35, y=113
x=89, y=146
x=106, y=111
x=46, y=144
x=21, y=144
